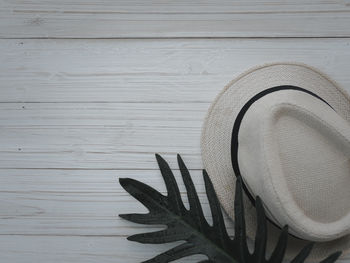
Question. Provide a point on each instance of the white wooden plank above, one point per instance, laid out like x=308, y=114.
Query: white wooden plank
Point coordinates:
x=54, y=249
x=126, y=133
x=181, y=6
x=98, y=136
x=51, y=215
x=70, y=216
x=84, y=203
x=210, y=18
x=149, y=70
x=77, y=203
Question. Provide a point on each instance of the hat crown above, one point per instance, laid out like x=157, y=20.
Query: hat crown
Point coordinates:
x=294, y=153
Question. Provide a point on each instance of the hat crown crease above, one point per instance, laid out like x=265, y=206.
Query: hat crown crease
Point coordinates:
x=287, y=142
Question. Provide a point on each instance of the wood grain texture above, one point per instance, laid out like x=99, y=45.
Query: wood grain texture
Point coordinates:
x=76, y=115
x=163, y=19
x=153, y=71
x=16, y=249
x=76, y=202
x=121, y=126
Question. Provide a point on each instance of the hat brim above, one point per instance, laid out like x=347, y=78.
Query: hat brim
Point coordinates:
x=217, y=131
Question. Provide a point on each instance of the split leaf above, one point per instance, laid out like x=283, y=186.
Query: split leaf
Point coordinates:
x=190, y=225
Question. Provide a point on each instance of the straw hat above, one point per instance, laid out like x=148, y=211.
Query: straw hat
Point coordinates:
x=285, y=128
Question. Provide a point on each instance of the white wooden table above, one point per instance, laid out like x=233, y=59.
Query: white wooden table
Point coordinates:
x=90, y=90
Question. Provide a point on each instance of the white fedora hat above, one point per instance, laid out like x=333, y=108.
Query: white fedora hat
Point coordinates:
x=285, y=128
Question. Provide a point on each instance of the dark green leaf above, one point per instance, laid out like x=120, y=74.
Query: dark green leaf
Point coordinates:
x=190, y=225
x=261, y=233
x=332, y=258
x=278, y=253
x=303, y=254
